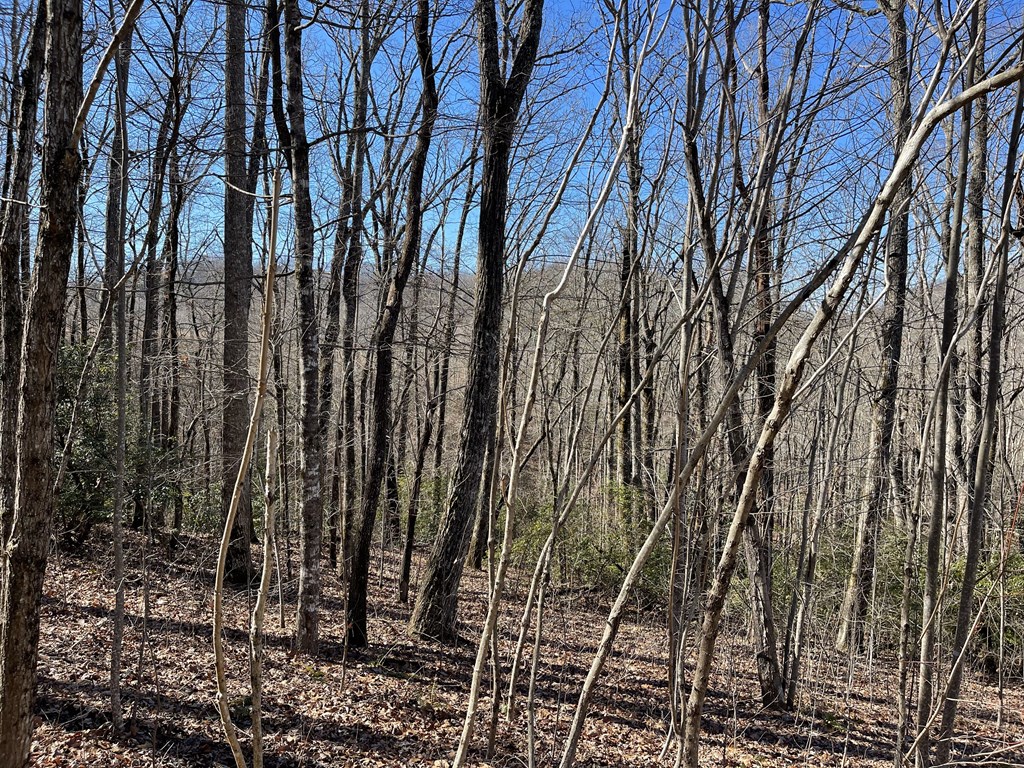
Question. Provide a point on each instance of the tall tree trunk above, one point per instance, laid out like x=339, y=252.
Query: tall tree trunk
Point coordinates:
x=167, y=396
x=113, y=268
x=151, y=439
x=82, y=293
x=412, y=511
x=883, y=407
x=482, y=521
x=9, y=100
x=26, y=543
x=627, y=310
x=501, y=99
x=627, y=331
x=350, y=297
x=310, y=519
x=974, y=257
x=384, y=335
x=937, y=470
x=172, y=410
x=237, y=291
x=331, y=332
x=978, y=496
x=804, y=587
x=758, y=549
x=12, y=219
x=117, y=188
x=444, y=364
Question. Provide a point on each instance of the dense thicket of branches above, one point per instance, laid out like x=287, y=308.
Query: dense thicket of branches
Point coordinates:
x=746, y=282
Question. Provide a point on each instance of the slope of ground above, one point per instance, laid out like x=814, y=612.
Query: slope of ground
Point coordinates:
x=401, y=702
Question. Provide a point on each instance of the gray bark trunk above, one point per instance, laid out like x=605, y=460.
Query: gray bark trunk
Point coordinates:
x=310, y=519
x=384, y=336
x=883, y=409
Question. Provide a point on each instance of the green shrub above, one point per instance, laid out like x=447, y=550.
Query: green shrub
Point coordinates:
x=983, y=649
x=85, y=497
x=592, y=560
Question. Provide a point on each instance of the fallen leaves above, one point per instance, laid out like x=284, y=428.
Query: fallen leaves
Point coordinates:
x=401, y=702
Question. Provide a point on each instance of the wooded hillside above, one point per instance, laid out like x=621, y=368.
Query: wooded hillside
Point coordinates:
x=519, y=383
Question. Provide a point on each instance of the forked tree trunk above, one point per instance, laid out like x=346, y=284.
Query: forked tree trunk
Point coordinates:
x=501, y=99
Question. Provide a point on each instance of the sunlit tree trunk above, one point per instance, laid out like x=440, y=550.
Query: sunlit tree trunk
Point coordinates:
x=310, y=519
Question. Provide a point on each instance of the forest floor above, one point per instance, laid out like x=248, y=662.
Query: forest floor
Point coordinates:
x=402, y=701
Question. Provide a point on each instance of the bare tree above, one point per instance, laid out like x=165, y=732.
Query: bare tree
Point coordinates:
x=28, y=515
x=883, y=409
x=984, y=456
x=237, y=289
x=310, y=520
x=844, y=263
x=384, y=335
x=500, y=102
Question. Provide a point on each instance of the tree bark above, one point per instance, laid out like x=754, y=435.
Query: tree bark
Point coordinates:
x=846, y=260
x=350, y=297
x=237, y=292
x=501, y=99
x=310, y=519
x=412, y=511
x=25, y=545
x=758, y=548
x=978, y=496
x=12, y=221
x=113, y=268
x=384, y=335
x=883, y=407
x=937, y=470
x=627, y=330
x=172, y=409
